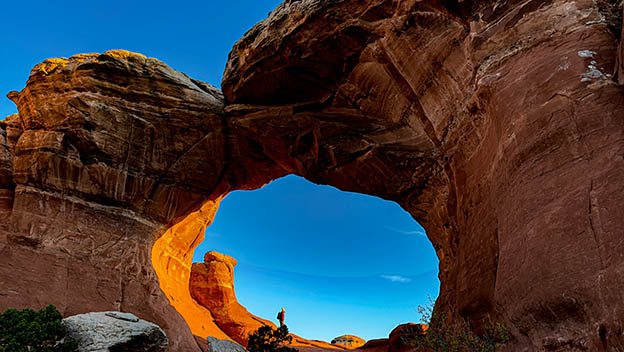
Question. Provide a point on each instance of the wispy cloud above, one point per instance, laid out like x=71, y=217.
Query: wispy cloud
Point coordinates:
x=407, y=232
x=396, y=278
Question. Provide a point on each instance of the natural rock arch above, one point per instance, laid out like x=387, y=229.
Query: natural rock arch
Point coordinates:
x=497, y=125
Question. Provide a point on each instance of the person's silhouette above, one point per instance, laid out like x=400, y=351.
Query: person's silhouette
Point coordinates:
x=280, y=317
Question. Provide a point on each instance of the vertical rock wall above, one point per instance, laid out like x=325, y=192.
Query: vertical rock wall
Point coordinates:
x=497, y=125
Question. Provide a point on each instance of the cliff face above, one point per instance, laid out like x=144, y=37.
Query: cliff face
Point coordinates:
x=497, y=125
x=212, y=286
x=103, y=155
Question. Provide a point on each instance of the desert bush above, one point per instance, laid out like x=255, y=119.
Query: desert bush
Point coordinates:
x=267, y=339
x=30, y=331
x=443, y=336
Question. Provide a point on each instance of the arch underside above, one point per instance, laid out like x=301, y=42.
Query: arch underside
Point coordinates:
x=483, y=120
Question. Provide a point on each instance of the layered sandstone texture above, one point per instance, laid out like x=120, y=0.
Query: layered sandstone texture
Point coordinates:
x=212, y=286
x=498, y=125
x=96, y=166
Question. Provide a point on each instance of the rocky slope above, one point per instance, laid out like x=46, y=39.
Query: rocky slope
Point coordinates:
x=496, y=124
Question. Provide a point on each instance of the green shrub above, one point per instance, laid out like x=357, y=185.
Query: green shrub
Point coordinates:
x=457, y=337
x=30, y=331
x=267, y=339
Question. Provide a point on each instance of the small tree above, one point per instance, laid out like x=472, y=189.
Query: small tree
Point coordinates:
x=267, y=339
x=458, y=337
x=30, y=331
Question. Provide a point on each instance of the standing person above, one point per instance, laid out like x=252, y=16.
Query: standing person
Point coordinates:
x=280, y=317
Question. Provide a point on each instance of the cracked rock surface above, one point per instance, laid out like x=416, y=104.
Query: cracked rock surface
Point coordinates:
x=114, y=331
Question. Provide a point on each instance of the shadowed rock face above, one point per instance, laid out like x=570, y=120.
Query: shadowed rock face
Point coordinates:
x=497, y=125
x=397, y=341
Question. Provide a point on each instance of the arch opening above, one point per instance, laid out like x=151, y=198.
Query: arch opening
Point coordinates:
x=390, y=258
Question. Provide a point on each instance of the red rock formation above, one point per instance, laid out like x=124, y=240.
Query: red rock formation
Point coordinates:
x=101, y=155
x=8, y=129
x=496, y=124
x=348, y=341
x=375, y=345
x=212, y=286
x=498, y=128
x=397, y=341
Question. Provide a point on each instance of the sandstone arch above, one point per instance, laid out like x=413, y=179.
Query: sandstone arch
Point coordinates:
x=497, y=125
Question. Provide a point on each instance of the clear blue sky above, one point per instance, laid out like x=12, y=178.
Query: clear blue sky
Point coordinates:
x=340, y=263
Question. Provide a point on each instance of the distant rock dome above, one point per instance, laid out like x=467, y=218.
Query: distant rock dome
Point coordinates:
x=348, y=341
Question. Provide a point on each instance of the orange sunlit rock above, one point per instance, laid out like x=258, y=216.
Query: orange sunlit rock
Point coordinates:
x=300, y=342
x=349, y=341
x=212, y=285
x=49, y=65
x=172, y=256
x=376, y=345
